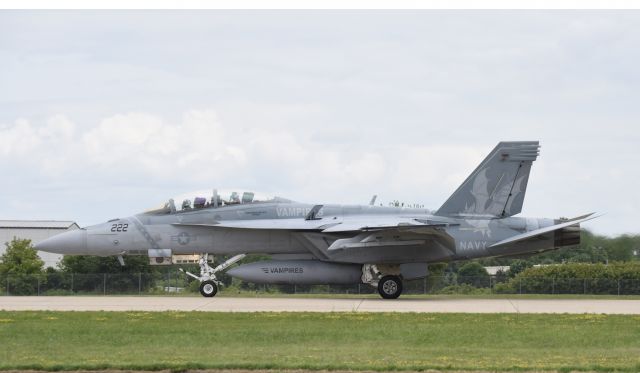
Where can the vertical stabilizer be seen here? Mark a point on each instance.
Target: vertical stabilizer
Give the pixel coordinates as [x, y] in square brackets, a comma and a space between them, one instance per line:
[497, 187]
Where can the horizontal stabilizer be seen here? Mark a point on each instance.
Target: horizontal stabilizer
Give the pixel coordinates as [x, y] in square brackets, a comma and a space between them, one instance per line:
[537, 232]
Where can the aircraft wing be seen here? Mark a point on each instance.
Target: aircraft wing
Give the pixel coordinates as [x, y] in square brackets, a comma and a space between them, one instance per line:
[389, 245]
[391, 237]
[383, 223]
[537, 232]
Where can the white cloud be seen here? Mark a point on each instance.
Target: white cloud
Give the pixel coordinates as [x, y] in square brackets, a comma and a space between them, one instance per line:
[200, 148]
[318, 106]
[130, 146]
[18, 139]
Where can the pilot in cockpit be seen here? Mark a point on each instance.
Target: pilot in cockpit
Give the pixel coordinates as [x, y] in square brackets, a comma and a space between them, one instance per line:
[199, 202]
[186, 204]
[235, 198]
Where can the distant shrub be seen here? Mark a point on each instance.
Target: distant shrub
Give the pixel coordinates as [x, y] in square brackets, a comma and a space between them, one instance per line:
[576, 278]
[474, 274]
[463, 289]
[517, 266]
[194, 287]
[59, 292]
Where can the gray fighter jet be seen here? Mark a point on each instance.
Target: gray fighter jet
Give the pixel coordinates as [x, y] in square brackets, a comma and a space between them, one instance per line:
[336, 244]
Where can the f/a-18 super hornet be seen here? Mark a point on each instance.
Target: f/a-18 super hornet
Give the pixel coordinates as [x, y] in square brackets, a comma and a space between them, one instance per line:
[336, 244]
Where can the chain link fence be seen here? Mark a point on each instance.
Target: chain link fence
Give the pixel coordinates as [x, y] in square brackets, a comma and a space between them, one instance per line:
[92, 284]
[176, 283]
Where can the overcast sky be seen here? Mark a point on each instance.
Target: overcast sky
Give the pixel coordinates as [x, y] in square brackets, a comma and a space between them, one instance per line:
[105, 114]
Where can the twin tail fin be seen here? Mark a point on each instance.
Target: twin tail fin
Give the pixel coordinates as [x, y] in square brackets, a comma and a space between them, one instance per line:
[497, 187]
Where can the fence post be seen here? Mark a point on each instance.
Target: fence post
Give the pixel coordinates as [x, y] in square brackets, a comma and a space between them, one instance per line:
[358, 288]
[72, 282]
[139, 283]
[618, 287]
[584, 286]
[553, 285]
[104, 284]
[295, 289]
[7, 285]
[520, 286]
[490, 287]
[38, 280]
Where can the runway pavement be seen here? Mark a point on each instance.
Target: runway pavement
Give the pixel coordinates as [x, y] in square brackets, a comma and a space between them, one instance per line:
[232, 304]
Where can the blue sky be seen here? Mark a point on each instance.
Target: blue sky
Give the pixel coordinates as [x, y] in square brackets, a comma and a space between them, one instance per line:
[106, 113]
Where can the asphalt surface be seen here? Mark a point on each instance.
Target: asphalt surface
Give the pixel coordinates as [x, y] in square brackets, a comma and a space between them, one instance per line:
[232, 304]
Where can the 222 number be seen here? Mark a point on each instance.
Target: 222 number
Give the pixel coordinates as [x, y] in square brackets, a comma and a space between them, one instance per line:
[119, 227]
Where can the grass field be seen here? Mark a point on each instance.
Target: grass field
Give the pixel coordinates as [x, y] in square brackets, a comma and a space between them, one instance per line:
[191, 340]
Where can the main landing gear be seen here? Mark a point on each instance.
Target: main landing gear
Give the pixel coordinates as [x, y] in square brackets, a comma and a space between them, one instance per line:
[208, 282]
[390, 287]
[386, 278]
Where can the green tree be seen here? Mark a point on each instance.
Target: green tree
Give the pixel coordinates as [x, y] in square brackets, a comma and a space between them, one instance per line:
[104, 264]
[593, 248]
[21, 268]
[436, 276]
[473, 273]
[517, 266]
[99, 274]
[621, 248]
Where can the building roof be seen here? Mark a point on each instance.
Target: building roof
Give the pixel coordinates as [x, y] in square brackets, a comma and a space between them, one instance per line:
[493, 270]
[37, 224]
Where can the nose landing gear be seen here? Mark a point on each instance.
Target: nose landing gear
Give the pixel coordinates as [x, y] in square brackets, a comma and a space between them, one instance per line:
[208, 288]
[209, 284]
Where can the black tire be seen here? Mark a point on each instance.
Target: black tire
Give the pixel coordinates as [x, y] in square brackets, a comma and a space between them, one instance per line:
[208, 288]
[390, 287]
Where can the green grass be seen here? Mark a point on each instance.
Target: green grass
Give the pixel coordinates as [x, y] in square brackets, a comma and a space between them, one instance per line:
[357, 341]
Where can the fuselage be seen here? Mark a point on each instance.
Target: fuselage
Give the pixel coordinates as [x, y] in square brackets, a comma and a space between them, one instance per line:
[198, 231]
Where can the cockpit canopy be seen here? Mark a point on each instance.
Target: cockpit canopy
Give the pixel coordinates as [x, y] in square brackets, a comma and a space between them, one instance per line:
[212, 199]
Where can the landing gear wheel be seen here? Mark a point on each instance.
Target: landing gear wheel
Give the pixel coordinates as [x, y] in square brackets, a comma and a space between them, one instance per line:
[208, 288]
[390, 287]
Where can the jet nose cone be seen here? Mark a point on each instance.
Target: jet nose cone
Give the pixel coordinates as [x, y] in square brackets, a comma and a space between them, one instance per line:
[72, 242]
